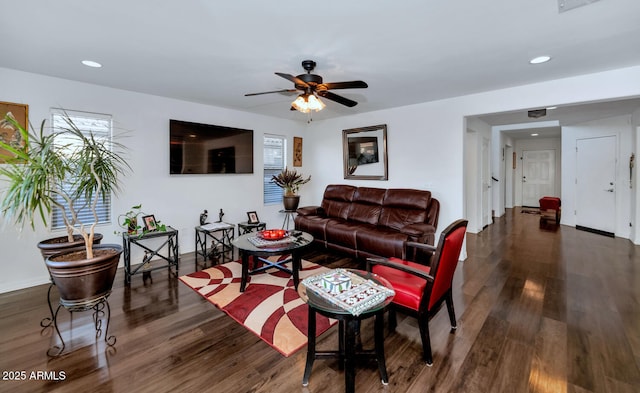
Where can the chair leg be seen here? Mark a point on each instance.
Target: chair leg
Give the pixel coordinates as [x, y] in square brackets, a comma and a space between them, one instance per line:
[452, 312]
[426, 340]
[393, 321]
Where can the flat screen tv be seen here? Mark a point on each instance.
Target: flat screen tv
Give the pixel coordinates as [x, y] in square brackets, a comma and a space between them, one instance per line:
[203, 148]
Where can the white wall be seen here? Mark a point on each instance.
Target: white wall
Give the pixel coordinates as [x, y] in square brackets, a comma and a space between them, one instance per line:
[176, 200]
[621, 128]
[425, 146]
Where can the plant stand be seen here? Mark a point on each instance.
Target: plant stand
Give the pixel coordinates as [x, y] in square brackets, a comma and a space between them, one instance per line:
[47, 321]
[98, 305]
[289, 217]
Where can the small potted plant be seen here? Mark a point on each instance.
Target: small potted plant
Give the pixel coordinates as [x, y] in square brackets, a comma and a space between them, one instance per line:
[129, 220]
[290, 181]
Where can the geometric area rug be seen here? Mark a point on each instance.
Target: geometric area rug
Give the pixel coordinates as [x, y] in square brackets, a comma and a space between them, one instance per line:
[269, 307]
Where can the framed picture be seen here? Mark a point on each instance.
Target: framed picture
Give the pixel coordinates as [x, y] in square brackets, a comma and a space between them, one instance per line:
[150, 223]
[253, 218]
[365, 153]
[8, 133]
[297, 151]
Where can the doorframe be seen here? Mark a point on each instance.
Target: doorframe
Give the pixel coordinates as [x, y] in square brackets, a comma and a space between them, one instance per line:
[486, 182]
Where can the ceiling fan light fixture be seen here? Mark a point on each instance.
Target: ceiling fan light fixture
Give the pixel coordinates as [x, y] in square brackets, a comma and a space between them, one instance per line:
[300, 104]
[307, 102]
[314, 103]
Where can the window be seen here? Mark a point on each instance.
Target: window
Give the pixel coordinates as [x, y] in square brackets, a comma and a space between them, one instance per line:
[100, 126]
[274, 159]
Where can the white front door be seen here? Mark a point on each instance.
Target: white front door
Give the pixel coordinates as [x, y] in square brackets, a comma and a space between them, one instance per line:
[538, 176]
[595, 183]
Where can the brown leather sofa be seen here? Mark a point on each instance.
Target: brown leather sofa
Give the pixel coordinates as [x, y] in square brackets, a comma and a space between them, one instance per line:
[366, 222]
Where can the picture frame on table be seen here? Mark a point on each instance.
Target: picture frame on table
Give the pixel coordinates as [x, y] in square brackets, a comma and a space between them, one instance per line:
[253, 218]
[150, 223]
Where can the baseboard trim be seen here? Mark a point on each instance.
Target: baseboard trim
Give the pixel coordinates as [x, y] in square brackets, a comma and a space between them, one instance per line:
[14, 286]
[596, 231]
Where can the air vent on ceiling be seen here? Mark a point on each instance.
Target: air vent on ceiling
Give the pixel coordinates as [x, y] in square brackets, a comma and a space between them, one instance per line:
[537, 113]
[566, 5]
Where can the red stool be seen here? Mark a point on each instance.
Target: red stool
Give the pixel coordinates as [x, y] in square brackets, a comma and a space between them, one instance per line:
[550, 208]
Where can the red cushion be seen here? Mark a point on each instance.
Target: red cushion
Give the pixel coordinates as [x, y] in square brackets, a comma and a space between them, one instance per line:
[409, 288]
[550, 203]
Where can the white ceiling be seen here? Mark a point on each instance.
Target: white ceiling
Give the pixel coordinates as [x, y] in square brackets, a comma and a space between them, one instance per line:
[410, 51]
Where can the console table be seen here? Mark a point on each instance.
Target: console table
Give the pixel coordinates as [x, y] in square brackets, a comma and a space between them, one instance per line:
[221, 235]
[142, 240]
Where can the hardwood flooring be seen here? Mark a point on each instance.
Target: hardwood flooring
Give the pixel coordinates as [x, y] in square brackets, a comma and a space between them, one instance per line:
[539, 308]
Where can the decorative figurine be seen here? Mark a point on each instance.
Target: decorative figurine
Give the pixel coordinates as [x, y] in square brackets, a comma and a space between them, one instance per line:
[220, 215]
[203, 217]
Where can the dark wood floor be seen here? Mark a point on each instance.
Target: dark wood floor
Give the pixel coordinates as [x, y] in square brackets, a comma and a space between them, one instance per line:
[540, 309]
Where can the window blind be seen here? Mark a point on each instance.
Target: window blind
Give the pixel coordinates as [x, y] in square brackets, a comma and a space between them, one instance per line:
[89, 123]
[274, 159]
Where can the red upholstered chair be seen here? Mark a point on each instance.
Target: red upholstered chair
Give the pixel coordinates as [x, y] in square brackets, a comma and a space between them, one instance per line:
[422, 290]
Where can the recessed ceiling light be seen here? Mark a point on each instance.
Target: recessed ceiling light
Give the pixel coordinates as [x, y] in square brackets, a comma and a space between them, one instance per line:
[540, 59]
[534, 134]
[551, 108]
[91, 63]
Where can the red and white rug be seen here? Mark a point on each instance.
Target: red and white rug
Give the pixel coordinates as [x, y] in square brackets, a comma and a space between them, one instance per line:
[269, 307]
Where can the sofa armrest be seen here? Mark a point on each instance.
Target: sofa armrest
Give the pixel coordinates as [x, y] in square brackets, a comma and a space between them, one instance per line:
[418, 231]
[310, 211]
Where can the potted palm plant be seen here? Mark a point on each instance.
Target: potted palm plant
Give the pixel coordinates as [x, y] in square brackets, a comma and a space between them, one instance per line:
[290, 181]
[61, 169]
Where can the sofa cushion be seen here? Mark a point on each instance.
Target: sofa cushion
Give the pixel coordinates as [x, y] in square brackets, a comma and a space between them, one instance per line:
[342, 233]
[402, 207]
[337, 200]
[375, 240]
[366, 205]
[315, 225]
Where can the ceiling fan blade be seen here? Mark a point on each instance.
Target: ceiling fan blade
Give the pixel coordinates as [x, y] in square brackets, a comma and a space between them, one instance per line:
[339, 99]
[296, 80]
[345, 85]
[274, 91]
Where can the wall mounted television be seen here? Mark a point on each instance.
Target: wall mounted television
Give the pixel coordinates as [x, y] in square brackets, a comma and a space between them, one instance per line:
[204, 148]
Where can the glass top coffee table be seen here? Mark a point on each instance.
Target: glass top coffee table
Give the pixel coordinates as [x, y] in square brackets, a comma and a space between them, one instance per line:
[247, 246]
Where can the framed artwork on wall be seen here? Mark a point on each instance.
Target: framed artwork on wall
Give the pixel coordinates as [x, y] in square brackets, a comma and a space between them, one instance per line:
[297, 151]
[8, 133]
[365, 153]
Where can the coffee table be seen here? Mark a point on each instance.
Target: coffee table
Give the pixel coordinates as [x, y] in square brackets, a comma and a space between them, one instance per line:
[293, 249]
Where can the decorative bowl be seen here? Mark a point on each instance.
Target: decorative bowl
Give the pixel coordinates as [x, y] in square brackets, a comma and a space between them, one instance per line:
[273, 234]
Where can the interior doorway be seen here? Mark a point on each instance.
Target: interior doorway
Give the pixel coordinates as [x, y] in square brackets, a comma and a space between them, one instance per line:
[538, 176]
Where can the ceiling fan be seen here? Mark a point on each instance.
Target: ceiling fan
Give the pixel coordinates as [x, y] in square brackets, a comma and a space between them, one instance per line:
[312, 86]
